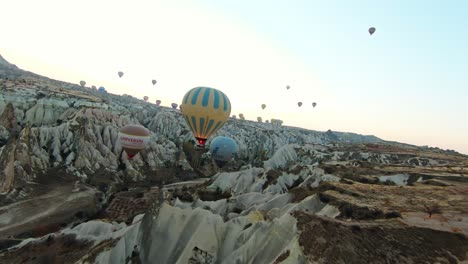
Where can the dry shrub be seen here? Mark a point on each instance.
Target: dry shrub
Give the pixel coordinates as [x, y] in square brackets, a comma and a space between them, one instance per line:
[432, 208]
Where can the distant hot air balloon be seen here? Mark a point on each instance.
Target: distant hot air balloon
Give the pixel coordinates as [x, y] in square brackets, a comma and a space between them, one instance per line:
[276, 122]
[174, 105]
[158, 102]
[241, 116]
[120, 74]
[314, 104]
[263, 106]
[94, 87]
[371, 30]
[259, 119]
[154, 82]
[223, 149]
[82, 83]
[205, 110]
[234, 116]
[287, 87]
[133, 139]
[145, 98]
[102, 89]
[267, 121]
[299, 104]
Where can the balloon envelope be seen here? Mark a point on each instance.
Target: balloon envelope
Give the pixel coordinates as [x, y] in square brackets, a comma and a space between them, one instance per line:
[158, 102]
[154, 82]
[299, 104]
[102, 89]
[314, 104]
[223, 149]
[259, 119]
[263, 106]
[82, 83]
[174, 105]
[287, 87]
[241, 116]
[133, 139]
[120, 74]
[371, 30]
[205, 110]
[145, 98]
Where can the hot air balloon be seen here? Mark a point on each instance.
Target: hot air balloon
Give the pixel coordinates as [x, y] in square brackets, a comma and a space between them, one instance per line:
[234, 116]
[174, 105]
[241, 116]
[287, 87]
[145, 98]
[314, 104]
[158, 102]
[94, 87]
[82, 83]
[133, 139]
[223, 149]
[205, 110]
[371, 30]
[263, 106]
[120, 74]
[154, 82]
[102, 89]
[299, 104]
[259, 119]
[276, 122]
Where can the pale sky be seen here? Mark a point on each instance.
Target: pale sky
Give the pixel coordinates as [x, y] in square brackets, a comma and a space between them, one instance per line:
[408, 82]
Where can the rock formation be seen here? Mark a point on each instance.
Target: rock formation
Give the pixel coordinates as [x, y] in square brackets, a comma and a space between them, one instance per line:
[69, 195]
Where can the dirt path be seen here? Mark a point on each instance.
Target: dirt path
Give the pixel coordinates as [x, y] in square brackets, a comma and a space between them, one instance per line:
[55, 208]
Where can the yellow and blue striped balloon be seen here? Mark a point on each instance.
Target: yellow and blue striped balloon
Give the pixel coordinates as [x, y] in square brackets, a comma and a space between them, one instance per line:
[205, 110]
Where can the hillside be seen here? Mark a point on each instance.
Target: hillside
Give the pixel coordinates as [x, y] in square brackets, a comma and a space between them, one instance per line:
[68, 195]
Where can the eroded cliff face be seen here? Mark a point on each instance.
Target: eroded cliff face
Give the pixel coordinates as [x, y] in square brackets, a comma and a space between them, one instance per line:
[68, 194]
[305, 212]
[74, 128]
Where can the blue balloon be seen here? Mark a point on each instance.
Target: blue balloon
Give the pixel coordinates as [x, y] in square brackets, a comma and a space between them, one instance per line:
[223, 149]
[102, 90]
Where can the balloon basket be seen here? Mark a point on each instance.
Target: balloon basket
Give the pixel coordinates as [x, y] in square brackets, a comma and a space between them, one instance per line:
[199, 147]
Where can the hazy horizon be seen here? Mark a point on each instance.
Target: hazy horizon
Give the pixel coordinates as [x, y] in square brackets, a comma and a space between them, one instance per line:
[405, 83]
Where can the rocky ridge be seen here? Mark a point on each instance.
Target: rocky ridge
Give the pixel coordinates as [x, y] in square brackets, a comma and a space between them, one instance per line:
[292, 196]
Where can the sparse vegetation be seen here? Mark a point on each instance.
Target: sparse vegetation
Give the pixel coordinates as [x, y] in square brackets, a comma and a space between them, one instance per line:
[432, 208]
